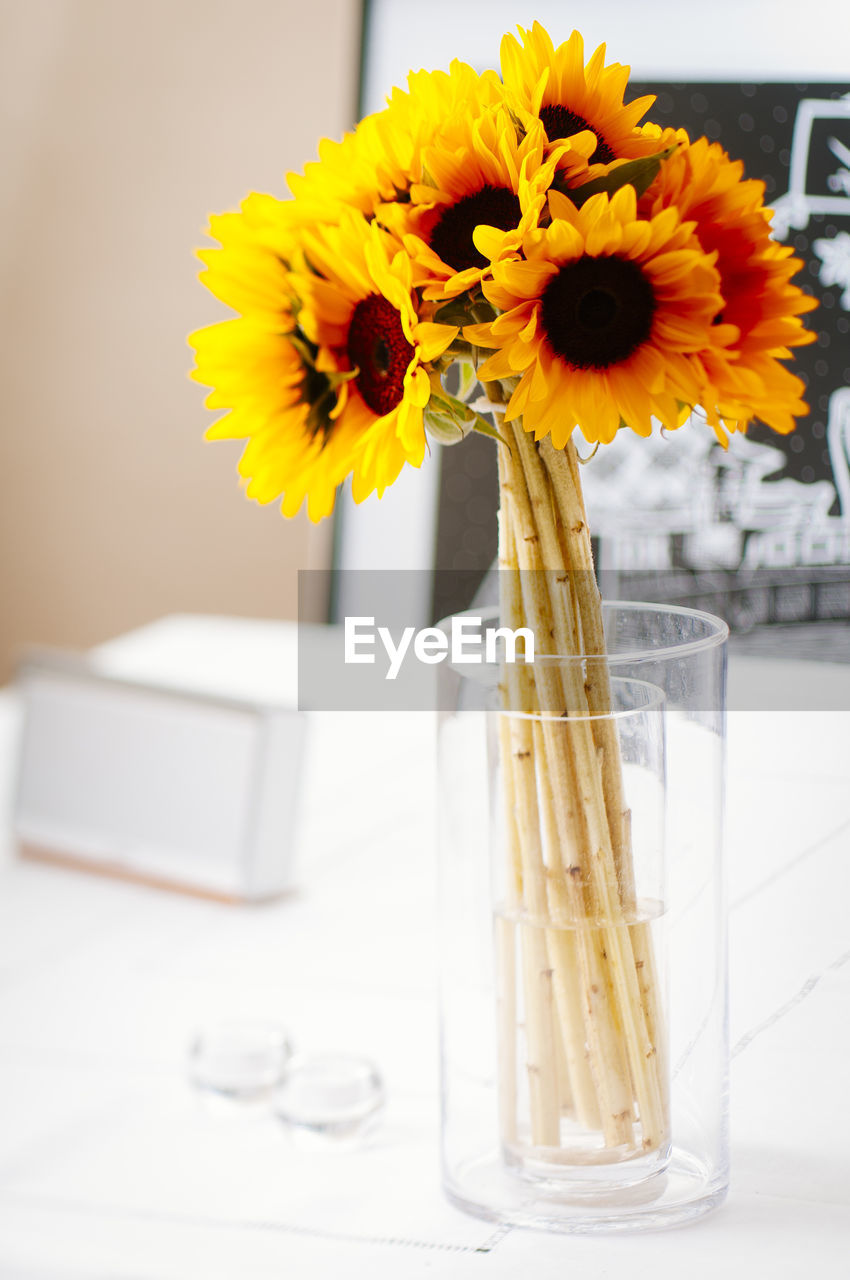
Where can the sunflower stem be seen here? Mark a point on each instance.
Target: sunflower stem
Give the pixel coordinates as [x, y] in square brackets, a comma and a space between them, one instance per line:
[570, 834]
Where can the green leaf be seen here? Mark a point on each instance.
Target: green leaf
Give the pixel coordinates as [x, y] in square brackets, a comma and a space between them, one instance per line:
[517, 124]
[337, 377]
[443, 429]
[449, 420]
[484, 428]
[467, 308]
[468, 379]
[639, 174]
[483, 312]
[453, 312]
[307, 350]
[446, 404]
[319, 416]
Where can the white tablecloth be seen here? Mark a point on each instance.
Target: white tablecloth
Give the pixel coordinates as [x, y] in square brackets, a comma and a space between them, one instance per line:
[111, 1167]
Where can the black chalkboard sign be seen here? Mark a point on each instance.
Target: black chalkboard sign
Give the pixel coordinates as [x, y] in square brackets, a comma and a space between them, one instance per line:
[796, 139]
[772, 510]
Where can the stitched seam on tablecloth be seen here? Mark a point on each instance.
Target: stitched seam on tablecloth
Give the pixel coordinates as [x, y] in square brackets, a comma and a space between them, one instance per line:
[798, 998]
[228, 1224]
[496, 1238]
[788, 866]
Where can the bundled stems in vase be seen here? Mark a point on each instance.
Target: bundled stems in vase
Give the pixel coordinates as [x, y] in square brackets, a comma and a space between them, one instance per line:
[593, 1026]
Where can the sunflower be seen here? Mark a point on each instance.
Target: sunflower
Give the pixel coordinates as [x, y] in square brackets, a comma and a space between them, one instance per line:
[478, 172]
[248, 272]
[381, 158]
[347, 175]
[744, 376]
[360, 310]
[600, 320]
[282, 405]
[262, 369]
[414, 117]
[554, 86]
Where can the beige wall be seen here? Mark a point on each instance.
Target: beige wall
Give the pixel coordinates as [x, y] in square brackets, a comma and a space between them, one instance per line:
[123, 126]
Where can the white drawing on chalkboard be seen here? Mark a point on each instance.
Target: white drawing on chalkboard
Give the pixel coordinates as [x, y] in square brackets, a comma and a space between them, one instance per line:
[838, 439]
[795, 208]
[818, 538]
[840, 180]
[680, 500]
[835, 264]
[689, 502]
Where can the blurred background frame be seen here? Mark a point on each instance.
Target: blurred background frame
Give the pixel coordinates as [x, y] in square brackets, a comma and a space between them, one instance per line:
[122, 128]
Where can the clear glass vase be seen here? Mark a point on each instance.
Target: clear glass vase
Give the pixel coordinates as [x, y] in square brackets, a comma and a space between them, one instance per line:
[583, 944]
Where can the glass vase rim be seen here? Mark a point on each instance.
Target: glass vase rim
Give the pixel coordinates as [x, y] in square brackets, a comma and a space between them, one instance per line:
[718, 635]
[655, 703]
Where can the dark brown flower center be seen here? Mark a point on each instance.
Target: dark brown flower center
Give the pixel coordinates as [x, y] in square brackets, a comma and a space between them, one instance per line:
[560, 122]
[378, 348]
[597, 311]
[451, 237]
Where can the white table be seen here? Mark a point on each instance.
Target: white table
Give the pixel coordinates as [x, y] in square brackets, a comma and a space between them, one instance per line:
[111, 1167]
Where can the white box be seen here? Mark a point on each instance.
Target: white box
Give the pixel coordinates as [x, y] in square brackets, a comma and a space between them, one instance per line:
[172, 756]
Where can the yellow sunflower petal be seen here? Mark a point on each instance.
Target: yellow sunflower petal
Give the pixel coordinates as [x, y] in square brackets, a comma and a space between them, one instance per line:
[433, 339]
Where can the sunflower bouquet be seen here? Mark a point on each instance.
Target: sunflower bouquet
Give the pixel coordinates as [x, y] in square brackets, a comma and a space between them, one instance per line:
[527, 234]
